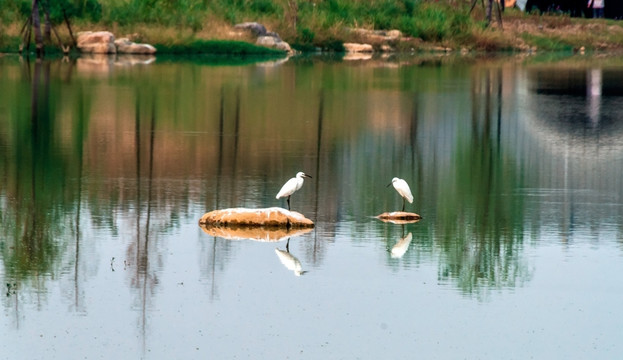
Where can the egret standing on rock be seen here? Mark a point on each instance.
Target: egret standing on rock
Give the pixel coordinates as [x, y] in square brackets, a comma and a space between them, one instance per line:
[403, 189]
[293, 185]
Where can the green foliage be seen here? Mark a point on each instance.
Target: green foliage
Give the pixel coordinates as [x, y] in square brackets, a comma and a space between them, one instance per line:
[304, 40]
[90, 10]
[333, 45]
[12, 9]
[306, 36]
[216, 47]
[338, 10]
[409, 6]
[183, 13]
[547, 43]
[435, 23]
[8, 43]
[317, 21]
[305, 48]
[263, 7]
[384, 13]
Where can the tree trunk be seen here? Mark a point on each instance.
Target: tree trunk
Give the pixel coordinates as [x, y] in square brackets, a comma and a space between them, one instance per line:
[36, 24]
[293, 12]
[47, 28]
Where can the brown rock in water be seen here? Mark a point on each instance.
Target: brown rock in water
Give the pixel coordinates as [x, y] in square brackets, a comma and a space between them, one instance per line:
[255, 233]
[399, 217]
[269, 217]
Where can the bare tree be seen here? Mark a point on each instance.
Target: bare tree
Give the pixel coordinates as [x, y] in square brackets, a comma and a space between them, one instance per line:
[36, 24]
[488, 9]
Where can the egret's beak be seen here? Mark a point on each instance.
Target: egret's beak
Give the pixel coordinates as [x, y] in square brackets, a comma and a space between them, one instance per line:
[389, 184]
[309, 176]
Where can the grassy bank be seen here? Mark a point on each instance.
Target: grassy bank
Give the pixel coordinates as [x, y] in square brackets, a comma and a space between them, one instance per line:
[186, 26]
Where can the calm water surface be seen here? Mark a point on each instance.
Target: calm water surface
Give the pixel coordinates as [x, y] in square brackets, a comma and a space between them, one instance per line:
[515, 165]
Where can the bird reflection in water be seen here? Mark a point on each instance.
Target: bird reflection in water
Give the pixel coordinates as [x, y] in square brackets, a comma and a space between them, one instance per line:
[290, 261]
[401, 246]
[594, 96]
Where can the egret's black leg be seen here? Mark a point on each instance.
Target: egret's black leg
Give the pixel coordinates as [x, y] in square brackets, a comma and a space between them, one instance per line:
[288, 245]
[288, 203]
[403, 204]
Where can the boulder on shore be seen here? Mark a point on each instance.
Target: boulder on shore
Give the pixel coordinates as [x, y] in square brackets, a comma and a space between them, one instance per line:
[399, 217]
[268, 217]
[264, 37]
[255, 28]
[98, 42]
[103, 42]
[274, 43]
[125, 46]
[378, 36]
[358, 48]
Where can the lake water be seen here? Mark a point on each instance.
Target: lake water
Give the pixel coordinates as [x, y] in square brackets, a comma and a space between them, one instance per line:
[515, 164]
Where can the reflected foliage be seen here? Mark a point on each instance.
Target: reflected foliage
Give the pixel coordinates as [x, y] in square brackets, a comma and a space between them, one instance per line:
[38, 177]
[480, 221]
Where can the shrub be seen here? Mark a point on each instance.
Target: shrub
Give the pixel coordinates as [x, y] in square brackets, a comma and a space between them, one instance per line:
[216, 47]
[306, 36]
[263, 7]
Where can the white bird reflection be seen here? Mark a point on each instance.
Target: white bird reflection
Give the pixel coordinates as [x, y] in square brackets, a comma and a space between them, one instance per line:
[401, 246]
[290, 261]
[594, 95]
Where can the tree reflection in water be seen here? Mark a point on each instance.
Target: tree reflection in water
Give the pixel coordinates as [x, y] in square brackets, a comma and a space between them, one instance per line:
[482, 239]
[40, 207]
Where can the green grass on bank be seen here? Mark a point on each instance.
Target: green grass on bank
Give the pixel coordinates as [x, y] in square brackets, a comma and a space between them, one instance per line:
[217, 47]
[193, 26]
[551, 43]
[308, 24]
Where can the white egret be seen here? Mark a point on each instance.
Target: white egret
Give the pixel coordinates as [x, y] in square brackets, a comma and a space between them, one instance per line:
[291, 186]
[403, 189]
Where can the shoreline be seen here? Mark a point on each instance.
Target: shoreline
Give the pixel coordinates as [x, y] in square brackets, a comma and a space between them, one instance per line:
[519, 32]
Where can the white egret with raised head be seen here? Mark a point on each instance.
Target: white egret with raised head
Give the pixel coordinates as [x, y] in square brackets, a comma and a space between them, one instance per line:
[291, 186]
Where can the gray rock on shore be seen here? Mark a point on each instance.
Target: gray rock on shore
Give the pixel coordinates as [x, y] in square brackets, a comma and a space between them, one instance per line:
[125, 46]
[264, 37]
[255, 28]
